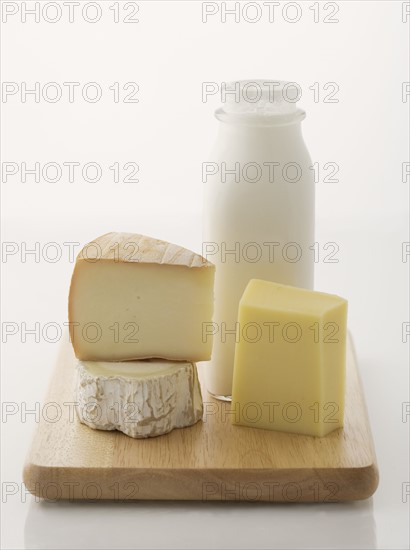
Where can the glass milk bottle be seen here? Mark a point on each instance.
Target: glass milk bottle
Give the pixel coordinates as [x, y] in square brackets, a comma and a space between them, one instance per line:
[258, 208]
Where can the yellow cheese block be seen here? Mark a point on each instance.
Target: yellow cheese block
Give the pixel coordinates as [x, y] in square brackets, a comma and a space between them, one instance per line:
[289, 372]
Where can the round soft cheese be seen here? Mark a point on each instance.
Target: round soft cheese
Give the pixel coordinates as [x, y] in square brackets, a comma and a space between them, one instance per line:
[139, 398]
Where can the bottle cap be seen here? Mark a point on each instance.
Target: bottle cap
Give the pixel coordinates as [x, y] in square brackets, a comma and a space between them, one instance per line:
[247, 99]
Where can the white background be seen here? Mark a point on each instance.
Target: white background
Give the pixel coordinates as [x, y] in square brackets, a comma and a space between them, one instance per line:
[170, 52]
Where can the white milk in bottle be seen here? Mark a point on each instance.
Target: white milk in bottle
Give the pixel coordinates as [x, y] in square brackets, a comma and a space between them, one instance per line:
[258, 208]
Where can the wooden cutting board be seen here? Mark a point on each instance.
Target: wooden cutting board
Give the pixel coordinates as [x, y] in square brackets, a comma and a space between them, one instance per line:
[212, 460]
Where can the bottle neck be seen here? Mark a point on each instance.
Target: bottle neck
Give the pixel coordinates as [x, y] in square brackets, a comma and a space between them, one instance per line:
[234, 131]
[240, 143]
[284, 118]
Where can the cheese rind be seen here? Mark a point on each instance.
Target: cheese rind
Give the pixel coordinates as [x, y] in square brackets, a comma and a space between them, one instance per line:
[134, 297]
[289, 372]
[139, 398]
[136, 248]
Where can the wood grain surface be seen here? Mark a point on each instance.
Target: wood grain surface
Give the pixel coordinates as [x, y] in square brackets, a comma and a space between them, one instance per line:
[212, 460]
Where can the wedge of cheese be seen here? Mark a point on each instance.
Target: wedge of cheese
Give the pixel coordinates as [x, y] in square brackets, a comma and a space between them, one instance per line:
[139, 398]
[134, 297]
